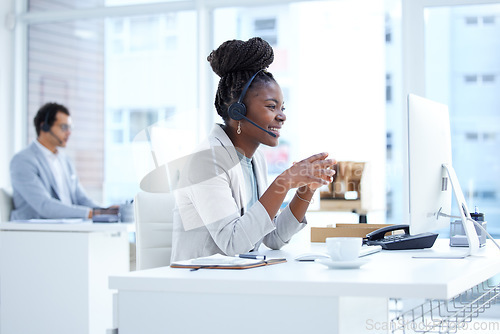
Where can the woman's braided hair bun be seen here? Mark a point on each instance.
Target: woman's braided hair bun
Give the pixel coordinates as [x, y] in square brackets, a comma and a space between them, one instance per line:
[239, 56]
[235, 62]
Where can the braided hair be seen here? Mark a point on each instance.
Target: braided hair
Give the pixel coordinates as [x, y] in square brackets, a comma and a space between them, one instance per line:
[235, 62]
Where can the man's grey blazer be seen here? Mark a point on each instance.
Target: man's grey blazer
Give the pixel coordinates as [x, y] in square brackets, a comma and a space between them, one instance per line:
[35, 193]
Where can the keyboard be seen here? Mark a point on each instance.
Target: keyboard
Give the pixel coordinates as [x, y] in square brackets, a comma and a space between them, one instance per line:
[367, 250]
[311, 256]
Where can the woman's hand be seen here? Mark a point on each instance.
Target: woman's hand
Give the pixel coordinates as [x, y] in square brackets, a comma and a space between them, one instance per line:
[308, 175]
[312, 172]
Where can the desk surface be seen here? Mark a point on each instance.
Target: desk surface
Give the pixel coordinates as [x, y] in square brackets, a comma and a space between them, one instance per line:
[394, 274]
[84, 226]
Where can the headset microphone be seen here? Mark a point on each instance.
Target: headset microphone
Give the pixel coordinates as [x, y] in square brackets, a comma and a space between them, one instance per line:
[238, 110]
[56, 137]
[239, 116]
[46, 128]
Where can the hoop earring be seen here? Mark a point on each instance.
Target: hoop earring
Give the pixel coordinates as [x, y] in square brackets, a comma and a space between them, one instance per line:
[239, 128]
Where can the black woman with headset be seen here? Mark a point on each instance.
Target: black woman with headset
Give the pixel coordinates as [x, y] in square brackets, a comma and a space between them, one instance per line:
[223, 203]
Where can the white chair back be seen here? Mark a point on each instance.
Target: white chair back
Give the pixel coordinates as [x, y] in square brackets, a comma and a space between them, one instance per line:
[154, 223]
[6, 204]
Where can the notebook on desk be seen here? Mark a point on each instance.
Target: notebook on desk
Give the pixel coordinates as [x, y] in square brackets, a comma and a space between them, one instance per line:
[219, 261]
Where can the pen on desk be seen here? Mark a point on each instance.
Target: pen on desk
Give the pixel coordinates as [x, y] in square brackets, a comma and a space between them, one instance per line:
[251, 256]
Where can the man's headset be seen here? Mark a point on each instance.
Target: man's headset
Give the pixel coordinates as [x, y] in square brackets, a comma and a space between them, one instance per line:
[238, 110]
[46, 127]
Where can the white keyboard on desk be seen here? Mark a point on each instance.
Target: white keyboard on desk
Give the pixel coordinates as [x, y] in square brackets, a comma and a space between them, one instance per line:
[365, 250]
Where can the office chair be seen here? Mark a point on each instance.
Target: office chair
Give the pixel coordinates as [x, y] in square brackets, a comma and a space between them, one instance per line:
[6, 204]
[154, 222]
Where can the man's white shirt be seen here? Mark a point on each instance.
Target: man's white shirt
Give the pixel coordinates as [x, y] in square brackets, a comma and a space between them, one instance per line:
[59, 172]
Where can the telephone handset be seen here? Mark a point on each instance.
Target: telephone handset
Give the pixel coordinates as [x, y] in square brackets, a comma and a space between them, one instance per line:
[380, 233]
[400, 241]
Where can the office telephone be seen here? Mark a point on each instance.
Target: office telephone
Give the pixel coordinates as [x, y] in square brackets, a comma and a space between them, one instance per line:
[400, 241]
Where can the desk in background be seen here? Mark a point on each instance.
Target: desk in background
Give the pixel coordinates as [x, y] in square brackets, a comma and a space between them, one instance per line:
[294, 297]
[54, 277]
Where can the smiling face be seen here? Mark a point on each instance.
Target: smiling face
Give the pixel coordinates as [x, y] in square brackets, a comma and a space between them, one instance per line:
[265, 106]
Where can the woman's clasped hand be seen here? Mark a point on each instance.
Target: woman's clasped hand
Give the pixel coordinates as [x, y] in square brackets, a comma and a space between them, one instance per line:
[312, 172]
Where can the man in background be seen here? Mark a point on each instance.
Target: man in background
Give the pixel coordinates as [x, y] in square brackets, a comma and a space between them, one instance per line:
[43, 179]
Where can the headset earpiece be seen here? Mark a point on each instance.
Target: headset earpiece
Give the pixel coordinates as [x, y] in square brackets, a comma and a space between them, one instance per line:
[45, 126]
[238, 110]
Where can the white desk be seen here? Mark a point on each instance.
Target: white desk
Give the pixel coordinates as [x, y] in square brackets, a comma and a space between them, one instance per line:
[54, 277]
[294, 297]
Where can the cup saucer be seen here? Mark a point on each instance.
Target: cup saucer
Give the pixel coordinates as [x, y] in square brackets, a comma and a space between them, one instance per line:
[354, 264]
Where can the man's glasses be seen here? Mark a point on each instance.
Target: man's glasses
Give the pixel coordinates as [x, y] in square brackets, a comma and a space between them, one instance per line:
[65, 127]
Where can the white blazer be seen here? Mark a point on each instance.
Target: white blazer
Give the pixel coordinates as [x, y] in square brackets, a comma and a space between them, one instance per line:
[211, 216]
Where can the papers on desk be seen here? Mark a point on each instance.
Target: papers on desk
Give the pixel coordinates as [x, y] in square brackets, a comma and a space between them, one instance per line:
[51, 221]
[219, 261]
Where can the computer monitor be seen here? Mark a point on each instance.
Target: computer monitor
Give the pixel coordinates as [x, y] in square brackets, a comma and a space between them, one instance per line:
[431, 177]
[429, 147]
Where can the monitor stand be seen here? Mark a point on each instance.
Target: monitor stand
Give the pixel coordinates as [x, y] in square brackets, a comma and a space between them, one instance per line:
[470, 230]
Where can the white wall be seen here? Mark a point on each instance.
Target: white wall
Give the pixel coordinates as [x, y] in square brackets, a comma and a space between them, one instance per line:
[6, 91]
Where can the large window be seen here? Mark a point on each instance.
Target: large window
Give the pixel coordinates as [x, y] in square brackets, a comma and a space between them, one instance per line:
[330, 63]
[66, 64]
[450, 54]
[117, 76]
[462, 70]
[140, 73]
[151, 74]
[135, 77]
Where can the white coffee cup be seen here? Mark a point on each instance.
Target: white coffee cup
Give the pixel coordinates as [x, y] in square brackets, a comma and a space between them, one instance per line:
[343, 248]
